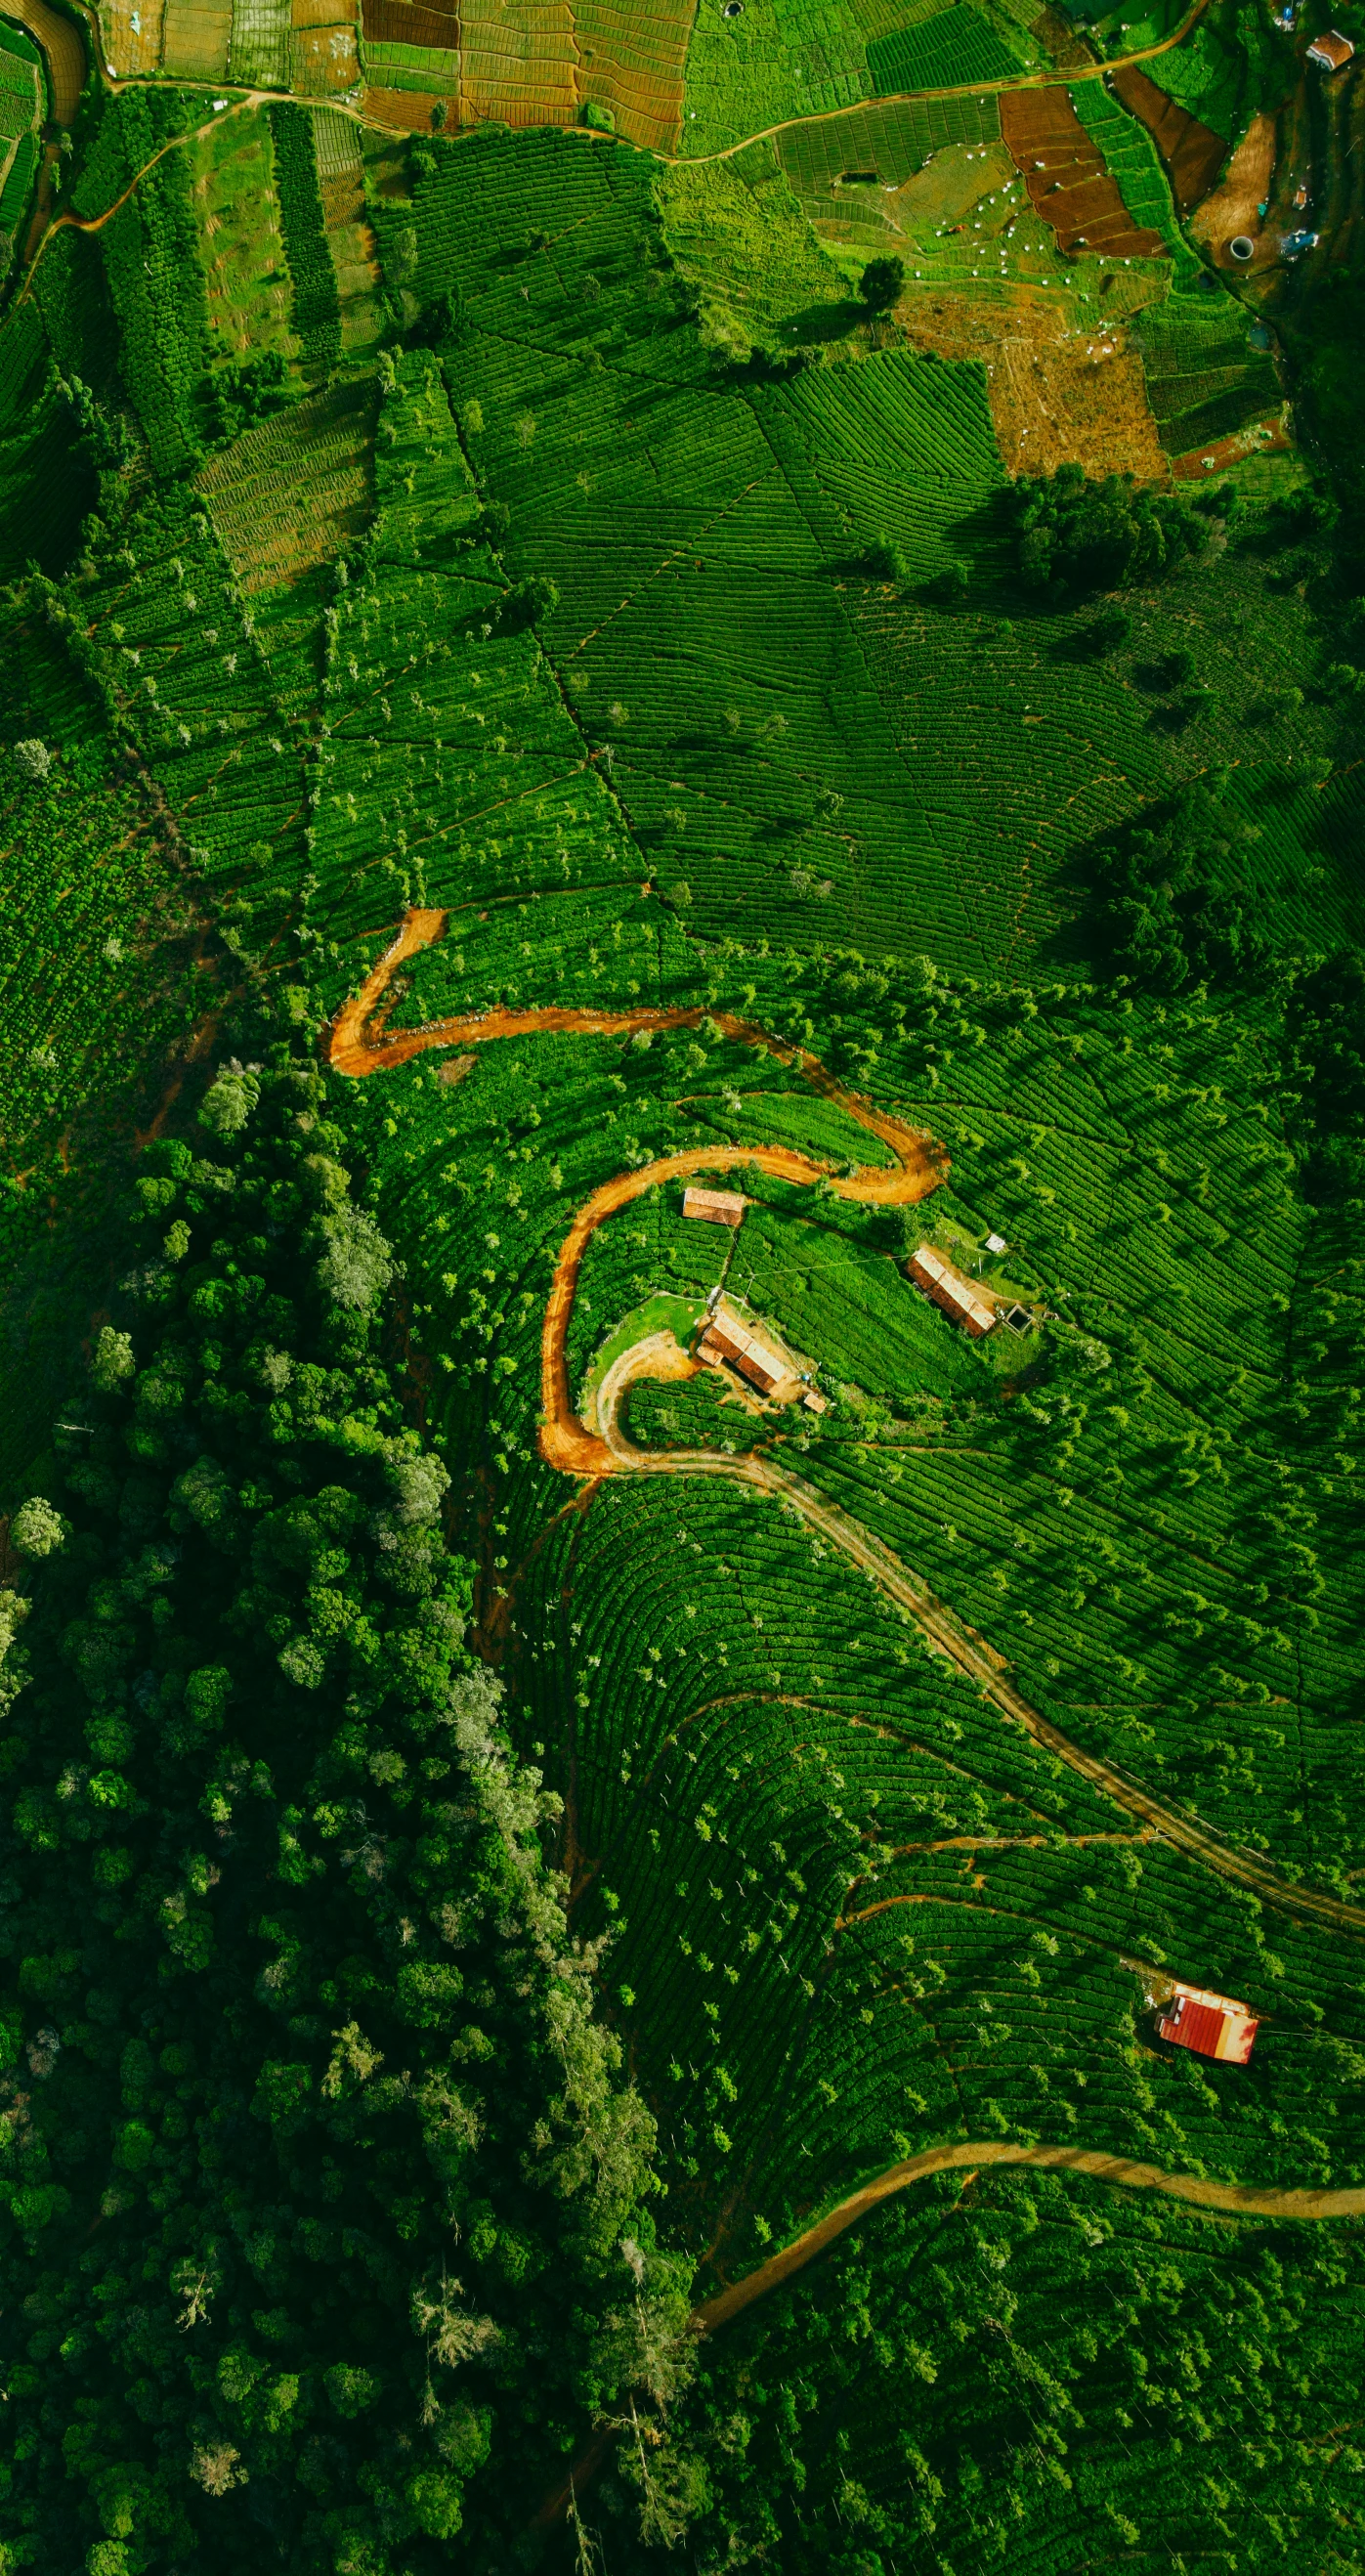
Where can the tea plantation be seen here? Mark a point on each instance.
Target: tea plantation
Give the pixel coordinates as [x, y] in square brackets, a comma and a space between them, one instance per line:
[596, 608]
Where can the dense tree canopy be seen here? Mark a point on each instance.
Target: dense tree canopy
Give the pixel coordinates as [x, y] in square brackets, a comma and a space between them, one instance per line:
[1075, 535]
[317, 2171]
[1173, 905]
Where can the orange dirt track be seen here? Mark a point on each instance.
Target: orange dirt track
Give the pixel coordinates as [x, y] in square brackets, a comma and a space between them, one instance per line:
[357, 1050]
[566, 1442]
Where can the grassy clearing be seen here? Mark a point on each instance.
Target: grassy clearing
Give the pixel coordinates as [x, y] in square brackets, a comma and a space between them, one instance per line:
[231, 170]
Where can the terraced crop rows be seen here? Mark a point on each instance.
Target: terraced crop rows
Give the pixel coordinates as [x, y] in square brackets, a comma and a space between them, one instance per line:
[297, 490]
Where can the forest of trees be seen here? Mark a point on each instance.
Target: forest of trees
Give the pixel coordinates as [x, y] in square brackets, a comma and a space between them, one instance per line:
[327, 2212]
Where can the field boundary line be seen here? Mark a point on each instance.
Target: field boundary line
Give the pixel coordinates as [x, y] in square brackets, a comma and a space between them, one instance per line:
[1054, 78]
[1009, 82]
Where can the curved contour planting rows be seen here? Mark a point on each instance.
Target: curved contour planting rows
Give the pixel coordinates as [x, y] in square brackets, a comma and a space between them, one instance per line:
[358, 1048]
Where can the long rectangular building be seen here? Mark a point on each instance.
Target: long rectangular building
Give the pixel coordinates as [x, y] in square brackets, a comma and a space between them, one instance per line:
[728, 1343]
[714, 1207]
[958, 1297]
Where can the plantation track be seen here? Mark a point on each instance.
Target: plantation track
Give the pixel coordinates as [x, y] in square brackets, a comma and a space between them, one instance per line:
[1242, 2199]
[1054, 77]
[358, 1048]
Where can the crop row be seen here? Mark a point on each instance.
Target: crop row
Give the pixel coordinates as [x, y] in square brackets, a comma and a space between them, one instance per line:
[732, 1811]
[441, 709]
[151, 259]
[174, 649]
[894, 141]
[942, 52]
[1074, 2338]
[316, 307]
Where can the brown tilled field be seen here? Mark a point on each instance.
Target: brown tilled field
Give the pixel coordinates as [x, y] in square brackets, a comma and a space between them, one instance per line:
[408, 22]
[1066, 177]
[1192, 154]
[1058, 395]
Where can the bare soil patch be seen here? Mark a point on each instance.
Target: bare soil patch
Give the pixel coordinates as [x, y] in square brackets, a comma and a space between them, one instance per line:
[1067, 179]
[1235, 207]
[1056, 397]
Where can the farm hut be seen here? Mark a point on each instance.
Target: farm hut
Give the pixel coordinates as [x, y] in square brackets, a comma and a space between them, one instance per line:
[1212, 2025]
[813, 1401]
[727, 1343]
[995, 1243]
[1330, 52]
[958, 1297]
[715, 1207]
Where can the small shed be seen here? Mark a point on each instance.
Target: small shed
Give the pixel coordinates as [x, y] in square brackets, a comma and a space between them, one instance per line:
[1212, 2025]
[814, 1401]
[1330, 52]
[995, 1243]
[715, 1207]
[957, 1296]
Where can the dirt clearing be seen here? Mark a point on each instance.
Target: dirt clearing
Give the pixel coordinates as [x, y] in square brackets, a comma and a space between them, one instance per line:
[1059, 394]
[1235, 207]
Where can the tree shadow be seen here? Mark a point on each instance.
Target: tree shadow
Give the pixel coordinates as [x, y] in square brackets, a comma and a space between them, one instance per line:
[824, 322]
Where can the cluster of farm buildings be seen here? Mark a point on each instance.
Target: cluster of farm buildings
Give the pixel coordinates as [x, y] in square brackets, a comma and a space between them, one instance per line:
[729, 1341]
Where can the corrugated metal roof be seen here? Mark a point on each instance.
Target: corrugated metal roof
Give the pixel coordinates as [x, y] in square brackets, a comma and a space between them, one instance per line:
[943, 1280]
[718, 1207]
[1212, 2025]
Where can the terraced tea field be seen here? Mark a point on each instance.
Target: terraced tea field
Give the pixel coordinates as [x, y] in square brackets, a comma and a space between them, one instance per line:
[632, 704]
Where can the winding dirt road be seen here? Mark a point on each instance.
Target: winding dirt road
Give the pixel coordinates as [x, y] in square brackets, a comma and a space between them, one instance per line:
[1243, 2199]
[360, 1044]
[1239, 2199]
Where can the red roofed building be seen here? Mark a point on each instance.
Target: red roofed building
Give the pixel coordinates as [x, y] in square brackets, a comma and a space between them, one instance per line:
[957, 1296]
[1212, 2025]
[1331, 52]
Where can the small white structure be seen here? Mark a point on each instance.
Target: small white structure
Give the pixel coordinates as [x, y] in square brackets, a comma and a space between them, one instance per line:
[995, 1243]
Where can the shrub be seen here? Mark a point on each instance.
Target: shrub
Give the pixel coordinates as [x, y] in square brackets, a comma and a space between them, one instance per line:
[229, 1100]
[112, 1359]
[356, 1264]
[36, 1530]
